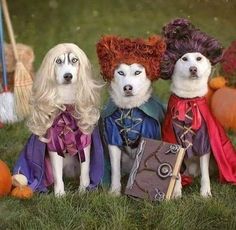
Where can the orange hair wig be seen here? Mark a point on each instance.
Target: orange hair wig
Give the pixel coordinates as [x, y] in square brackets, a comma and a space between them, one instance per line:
[113, 51]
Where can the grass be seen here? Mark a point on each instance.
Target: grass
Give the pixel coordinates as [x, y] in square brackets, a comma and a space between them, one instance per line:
[42, 24]
[97, 210]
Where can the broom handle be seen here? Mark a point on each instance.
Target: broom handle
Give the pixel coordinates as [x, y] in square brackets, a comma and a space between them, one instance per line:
[9, 28]
[4, 71]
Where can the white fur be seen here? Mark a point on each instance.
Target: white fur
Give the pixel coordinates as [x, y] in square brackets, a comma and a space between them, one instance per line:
[141, 86]
[69, 164]
[66, 94]
[183, 85]
[135, 76]
[187, 86]
[115, 158]
[177, 193]
[205, 179]
[67, 66]
[53, 86]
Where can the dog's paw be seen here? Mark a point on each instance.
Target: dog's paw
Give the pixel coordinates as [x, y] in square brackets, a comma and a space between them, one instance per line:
[59, 190]
[205, 191]
[115, 191]
[82, 189]
[84, 182]
[177, 194]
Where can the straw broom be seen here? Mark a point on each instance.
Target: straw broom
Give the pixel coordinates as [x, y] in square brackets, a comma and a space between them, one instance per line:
[22, 79]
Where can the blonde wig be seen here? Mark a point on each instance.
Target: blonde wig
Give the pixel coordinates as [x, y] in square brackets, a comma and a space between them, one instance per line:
[44, 107]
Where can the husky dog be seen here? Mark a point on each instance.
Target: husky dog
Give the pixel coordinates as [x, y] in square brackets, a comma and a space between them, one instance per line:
[65, 111]
[188, 61]
[129, 66]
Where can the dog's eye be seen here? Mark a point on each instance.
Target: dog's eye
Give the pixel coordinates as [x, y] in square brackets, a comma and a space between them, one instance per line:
[137, 72]
[58, 61]
[199, 58]
[185, 59]
[74, 60]
[121, 73]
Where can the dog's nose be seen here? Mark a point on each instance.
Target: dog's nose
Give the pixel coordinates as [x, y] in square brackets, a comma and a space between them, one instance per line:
[193, 69]
[68, 76]
[128, 88]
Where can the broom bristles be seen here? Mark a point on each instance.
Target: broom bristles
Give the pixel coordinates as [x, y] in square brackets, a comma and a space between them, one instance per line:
[22, 90]
[7, 108]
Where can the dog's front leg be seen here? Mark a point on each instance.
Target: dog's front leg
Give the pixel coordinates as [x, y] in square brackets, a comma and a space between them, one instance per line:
[205, 179]
[115, 158]
[85, 167]
[57, 170]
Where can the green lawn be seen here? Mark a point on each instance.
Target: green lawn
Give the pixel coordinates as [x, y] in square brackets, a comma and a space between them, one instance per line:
[42, 24]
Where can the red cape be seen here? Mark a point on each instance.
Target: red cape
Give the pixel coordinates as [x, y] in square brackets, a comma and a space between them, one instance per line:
[221, 145]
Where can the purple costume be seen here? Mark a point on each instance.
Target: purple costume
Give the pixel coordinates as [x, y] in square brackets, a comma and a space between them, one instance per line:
[65, 135]
[34, 162]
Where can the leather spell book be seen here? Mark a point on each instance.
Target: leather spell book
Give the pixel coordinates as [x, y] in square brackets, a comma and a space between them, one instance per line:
[155, 170]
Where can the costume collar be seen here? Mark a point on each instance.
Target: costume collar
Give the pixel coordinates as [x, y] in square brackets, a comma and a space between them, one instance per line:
[153, 108]
[181, 106]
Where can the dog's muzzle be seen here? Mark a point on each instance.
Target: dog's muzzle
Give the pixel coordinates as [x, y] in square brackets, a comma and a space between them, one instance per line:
[193, 72]
[128, 90]
[67, 78]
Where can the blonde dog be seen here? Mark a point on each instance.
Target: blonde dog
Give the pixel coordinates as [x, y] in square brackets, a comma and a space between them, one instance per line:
[64, 112]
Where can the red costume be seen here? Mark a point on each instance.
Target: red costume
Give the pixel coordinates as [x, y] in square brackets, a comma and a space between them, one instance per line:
[221, 147]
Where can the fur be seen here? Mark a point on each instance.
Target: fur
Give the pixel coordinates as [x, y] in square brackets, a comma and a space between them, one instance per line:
[188, 60]
[130, 66]
[65, 77]
[183, 83]
[182, 37]
[44, 104]
[141, 91]
[141, 85]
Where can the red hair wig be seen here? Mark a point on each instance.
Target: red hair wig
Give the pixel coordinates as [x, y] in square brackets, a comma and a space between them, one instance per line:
[113, 51]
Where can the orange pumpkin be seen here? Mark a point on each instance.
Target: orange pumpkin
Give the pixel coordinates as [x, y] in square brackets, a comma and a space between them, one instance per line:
[223, 106]
[5, 179]
[24, 192]
[217, 82]
[209, 95]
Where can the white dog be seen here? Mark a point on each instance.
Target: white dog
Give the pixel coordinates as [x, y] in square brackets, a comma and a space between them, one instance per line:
[188, 61]
[132, 111]
[130, 89]
[63, 79]
[189, 80]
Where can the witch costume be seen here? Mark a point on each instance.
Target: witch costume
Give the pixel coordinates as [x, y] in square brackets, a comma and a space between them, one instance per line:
[190, 123]
[65, 137]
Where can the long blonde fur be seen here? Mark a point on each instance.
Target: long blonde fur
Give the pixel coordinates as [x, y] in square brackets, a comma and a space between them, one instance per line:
[44, 107]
